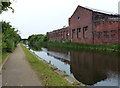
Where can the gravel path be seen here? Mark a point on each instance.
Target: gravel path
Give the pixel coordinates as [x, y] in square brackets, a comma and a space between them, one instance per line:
[17, 71]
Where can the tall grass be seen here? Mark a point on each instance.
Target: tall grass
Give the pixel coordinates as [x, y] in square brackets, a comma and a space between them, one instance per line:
[71, 45]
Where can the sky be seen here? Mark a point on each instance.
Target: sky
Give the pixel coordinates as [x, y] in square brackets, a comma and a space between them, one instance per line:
[41, 16]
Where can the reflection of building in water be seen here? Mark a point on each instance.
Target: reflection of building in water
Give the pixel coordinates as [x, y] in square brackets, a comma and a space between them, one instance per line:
[60, 54]
[91, 68]
[88, 68]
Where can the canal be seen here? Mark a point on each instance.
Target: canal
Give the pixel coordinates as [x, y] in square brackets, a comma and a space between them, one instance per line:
[90, 68]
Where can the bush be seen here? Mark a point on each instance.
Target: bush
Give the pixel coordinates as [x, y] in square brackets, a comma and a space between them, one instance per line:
[10, 46]
[10, 37]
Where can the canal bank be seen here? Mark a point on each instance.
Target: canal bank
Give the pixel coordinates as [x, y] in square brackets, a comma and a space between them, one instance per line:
[50, 75]
[77, 46]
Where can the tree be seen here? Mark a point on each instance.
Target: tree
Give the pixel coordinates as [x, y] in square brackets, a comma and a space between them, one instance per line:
[46, 37]
[10, 37]
[35, 39]
[5, 5]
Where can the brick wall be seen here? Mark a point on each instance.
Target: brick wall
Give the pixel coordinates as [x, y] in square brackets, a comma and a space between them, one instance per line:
[80, 25]
[106, 32]
[60, 35]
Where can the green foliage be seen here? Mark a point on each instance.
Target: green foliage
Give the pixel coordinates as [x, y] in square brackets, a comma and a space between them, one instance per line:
[10, 46]
[5, 43]
[35, 40]
[5, 5]
[10, 37]
[24, 41]
[4, 55]
[46, 37]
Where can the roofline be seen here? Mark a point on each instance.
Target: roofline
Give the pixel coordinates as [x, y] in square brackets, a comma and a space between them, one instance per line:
[60, 29]
[93, 11]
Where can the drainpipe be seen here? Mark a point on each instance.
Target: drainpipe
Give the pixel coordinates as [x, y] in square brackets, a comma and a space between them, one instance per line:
[93, 27]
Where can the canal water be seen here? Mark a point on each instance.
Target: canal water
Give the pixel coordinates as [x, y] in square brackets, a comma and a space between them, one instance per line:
[89, 68]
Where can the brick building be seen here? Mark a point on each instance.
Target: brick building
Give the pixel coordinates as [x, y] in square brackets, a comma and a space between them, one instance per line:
[90, 26]
[62, 34]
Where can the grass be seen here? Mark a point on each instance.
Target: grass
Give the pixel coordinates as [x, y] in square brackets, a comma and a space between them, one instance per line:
[97, 48]
[4, 55]
[44, 72]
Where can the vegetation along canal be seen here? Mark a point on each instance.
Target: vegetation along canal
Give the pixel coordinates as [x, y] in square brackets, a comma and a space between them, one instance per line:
[89, 68]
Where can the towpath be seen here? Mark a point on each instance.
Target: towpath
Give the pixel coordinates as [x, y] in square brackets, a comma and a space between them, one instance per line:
[17, 71]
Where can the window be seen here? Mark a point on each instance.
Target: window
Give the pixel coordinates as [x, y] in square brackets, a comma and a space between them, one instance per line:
[105, 32]
[106, 36]
[73, 30]
[61, 33]
[99, 34]
[66, 34]
[113, 30]
[78, 18]
[113, 36]
[78, 32]
[78, 29]
[84, 30]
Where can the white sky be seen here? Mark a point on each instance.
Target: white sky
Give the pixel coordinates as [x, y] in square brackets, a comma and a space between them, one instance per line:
[41, 16]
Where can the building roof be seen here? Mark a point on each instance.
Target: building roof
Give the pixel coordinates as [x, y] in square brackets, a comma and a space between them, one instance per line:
[101, 11]
[97, 11]
[65, 28]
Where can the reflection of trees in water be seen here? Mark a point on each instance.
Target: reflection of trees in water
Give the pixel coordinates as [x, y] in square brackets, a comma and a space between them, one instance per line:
[90, 68]
[35, 48]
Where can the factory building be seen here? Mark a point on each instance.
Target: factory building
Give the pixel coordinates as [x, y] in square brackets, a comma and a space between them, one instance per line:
[90, 26]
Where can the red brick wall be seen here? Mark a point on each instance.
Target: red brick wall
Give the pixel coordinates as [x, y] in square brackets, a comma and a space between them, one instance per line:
[60, 35]
[85, 20]
[106, 32]
[119, 31]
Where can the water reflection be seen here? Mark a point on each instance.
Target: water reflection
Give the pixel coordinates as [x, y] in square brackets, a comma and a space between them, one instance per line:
[87, 67]
[62, 55]
[91, 68]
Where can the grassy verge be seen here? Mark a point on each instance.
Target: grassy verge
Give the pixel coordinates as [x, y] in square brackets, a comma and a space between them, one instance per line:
[44, 72]
[4, 55]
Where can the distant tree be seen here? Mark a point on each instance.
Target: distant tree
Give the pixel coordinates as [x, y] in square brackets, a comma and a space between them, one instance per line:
[35, 39]
[46, 37]
[24, 41]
